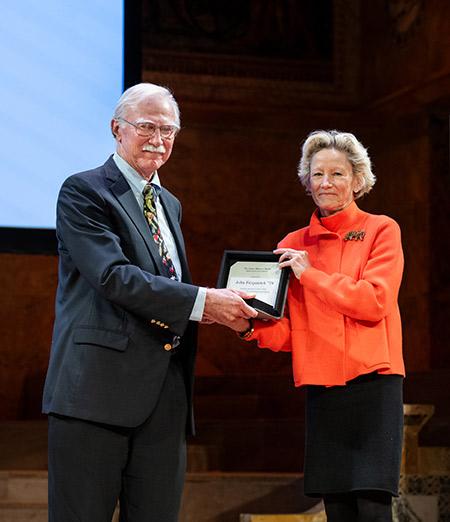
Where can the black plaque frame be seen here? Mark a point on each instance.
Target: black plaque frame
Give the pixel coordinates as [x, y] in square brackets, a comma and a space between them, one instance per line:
[265, 311]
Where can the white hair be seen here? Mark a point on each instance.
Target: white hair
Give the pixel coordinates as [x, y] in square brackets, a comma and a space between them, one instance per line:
[344, 142]
[141, 91]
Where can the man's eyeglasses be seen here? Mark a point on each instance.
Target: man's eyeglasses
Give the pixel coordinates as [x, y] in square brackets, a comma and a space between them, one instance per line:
[147, 129]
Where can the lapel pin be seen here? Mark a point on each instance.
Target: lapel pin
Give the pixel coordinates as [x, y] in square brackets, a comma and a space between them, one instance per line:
[354, 235]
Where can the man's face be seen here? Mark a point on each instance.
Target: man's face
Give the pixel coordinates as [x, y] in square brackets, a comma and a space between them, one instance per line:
[145, 154]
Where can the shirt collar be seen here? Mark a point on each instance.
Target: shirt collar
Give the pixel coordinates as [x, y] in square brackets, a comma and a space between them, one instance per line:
[135, 180]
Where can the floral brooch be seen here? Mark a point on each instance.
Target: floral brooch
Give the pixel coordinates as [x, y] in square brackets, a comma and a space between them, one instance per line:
[354, 235]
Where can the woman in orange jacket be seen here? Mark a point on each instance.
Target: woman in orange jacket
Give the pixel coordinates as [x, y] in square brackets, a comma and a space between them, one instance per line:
[343, 328]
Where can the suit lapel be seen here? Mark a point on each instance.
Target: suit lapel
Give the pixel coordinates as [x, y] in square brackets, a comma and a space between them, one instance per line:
[122, 191]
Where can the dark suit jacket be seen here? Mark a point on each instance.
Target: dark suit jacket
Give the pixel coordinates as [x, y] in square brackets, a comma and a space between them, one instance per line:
[115, 306]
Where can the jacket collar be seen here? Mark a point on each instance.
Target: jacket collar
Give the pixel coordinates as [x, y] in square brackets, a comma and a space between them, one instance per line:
[349, 218]
[121, 189]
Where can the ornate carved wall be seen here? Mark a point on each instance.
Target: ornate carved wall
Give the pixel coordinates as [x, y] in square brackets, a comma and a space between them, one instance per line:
[249, 52]
[406, 86]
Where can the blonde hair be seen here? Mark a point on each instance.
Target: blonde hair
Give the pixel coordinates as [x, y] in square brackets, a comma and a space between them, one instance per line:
[344, 142]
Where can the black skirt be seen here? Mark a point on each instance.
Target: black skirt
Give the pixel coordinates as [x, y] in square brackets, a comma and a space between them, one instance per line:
[354, 435]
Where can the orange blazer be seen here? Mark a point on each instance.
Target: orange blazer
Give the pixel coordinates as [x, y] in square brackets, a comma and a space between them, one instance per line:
[342, 318]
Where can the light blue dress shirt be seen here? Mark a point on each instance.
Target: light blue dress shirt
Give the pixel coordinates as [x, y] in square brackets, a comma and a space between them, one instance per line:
[137, 184]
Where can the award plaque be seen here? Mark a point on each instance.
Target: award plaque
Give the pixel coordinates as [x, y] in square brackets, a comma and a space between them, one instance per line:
[256, 273]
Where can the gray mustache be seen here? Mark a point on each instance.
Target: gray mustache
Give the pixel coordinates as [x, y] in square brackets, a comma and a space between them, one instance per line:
[150, 148]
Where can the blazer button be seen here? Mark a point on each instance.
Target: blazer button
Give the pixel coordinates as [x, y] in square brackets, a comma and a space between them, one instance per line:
[167, 347]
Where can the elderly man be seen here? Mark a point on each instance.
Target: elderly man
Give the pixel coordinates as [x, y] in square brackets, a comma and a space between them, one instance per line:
[119, 385]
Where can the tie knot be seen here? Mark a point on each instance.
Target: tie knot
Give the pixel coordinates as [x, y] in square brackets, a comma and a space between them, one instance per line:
[151, 189]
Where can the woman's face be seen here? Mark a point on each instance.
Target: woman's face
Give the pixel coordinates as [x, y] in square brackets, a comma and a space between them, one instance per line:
[332, 181]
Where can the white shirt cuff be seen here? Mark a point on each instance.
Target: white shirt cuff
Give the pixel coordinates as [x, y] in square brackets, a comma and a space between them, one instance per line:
[199, 305]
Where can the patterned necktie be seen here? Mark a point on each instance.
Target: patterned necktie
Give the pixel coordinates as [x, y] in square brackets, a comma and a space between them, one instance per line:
[152, 219]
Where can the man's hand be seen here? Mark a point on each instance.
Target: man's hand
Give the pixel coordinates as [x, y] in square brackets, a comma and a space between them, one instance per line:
[228, 307]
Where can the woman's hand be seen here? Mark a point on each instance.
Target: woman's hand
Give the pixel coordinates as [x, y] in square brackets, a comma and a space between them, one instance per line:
[297, 260]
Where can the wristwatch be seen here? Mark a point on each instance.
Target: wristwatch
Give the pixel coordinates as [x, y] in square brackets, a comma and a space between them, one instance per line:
[247, 333]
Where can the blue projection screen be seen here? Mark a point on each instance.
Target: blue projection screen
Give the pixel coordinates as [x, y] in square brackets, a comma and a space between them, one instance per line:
[61, 75]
